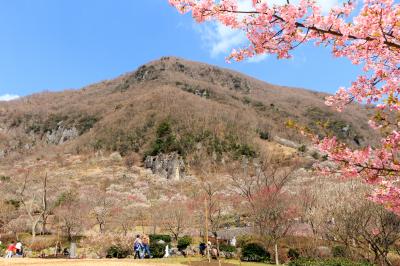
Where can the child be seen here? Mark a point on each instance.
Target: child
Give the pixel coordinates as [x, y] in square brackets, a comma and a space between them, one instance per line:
[19, 251]
[10, 250]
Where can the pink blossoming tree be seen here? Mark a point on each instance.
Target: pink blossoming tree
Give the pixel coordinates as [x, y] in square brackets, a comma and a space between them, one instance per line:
[368, 35]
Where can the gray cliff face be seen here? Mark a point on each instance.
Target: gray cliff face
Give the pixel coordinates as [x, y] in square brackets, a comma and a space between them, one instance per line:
[18, 138]
[61, 135]
[170, 166]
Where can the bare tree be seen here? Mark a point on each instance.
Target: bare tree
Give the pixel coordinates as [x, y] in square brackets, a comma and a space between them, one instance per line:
[8, 212]
[70, 213]
[101, 211]
[261, 184]
[364, 226]
[101, 203]
[48, 203]
[215, 192]
[175, 216]
[16, 226]
[29, 199]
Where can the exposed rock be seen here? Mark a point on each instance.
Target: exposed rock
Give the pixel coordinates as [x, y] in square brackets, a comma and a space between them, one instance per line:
[175, 252]
[286, 142]
[170, 166]
[314, 152]
[68, 134]
[61, 135]
[329, 165]
[115, 156]
[188, 252]
[146, 72]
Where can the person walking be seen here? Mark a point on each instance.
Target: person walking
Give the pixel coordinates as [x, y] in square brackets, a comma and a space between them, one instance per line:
[138, 248]
[10, 250]
[202, 249]
[146, 246]
[18, 249]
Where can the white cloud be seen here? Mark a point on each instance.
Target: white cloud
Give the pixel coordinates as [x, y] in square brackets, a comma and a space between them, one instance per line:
[8, 97]
[257, 58]
[220, 40]
[326, 5]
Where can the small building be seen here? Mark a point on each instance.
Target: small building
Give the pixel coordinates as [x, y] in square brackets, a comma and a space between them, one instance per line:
[230, 235]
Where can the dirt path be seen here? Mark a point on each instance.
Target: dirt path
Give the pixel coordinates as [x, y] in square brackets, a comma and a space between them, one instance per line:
[62, 262]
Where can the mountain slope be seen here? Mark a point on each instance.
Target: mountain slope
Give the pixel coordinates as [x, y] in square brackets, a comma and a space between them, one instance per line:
[171, 105]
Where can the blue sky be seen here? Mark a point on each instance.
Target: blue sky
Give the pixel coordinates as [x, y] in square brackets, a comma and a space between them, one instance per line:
[62, 44]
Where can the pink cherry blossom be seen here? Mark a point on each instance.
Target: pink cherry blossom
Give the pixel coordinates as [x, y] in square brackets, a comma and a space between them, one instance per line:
[369, 38]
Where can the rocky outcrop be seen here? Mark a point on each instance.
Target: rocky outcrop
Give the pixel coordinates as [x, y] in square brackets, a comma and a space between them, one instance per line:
[170, 166]
[286, 142]
[61, 135]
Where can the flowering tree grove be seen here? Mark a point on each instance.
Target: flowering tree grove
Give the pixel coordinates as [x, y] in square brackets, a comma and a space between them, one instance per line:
[368, 35]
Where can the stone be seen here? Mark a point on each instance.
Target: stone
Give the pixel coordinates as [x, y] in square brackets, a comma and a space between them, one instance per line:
[189, 252]
[115, 156]
[286, 142]
[170, 166]
[73, 251]
[61, 135]
[68, 134]
[174, 251]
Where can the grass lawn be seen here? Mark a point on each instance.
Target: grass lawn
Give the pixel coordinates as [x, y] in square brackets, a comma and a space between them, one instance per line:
[178, 261]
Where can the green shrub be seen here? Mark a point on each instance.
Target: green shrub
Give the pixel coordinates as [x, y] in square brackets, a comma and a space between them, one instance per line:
[293, 254]
[259, 105]
[5, 178]
[302, 148]
[2, 249]
[183, 143]
[156, 238]
[264, 135]
[86, 123]
[227, 248]
[246, 100]
[327, 262]
[165, 142]
[255, 252]
[13, 202]
[157, 249]
[245, 150]
[339, 251]
[315, 155]
[116, 251]
[184, 242]
[241, 241]
[52, 122]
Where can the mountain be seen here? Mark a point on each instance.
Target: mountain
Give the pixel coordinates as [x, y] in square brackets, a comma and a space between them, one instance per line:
[172, 106]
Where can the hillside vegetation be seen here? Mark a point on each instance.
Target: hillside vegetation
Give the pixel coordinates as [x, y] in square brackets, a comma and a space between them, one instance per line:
[172, 105]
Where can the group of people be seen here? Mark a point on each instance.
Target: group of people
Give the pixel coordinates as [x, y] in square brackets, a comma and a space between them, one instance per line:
[213, 251]
[141, 247]
[14, 249]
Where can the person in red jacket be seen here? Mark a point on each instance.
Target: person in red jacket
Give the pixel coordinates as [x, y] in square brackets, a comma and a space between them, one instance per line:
[10, 250]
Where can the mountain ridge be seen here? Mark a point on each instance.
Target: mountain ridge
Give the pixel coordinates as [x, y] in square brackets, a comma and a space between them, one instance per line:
[210, 112]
